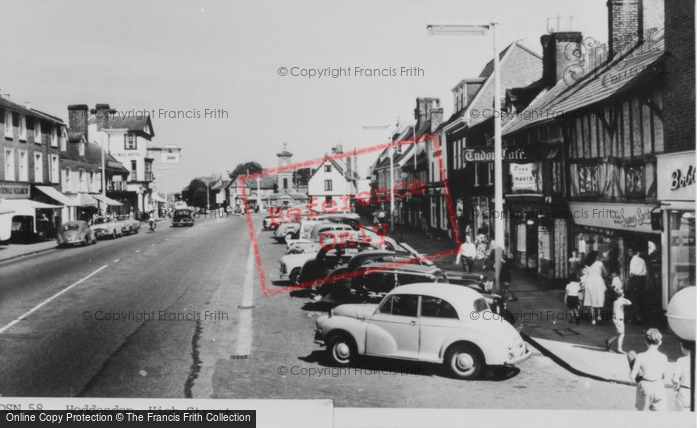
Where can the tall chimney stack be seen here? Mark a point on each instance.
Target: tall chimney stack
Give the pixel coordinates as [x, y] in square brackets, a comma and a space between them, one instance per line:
[78, 119]
[630, 23]
[557, 49]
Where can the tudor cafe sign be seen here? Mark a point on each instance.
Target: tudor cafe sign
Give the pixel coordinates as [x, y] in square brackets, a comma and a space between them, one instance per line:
[510, 154]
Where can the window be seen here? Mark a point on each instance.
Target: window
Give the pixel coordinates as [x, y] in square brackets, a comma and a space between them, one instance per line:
[556, 177]
[8, 124]
[81, 148]
[9, 165]
[38, 168]
[64, 138]
[92, 186]
[23, 166]
[634, 179]
[328, 185]
[130, 141]
[133, 170]
[54, 136]
[66, 181]
[436, 308]
[328, 203]
[54, 169]
[588, 178]
[491, 170]
[284, 183]
[405, 305]
[23, 128]
[82, 185]
[327, 168]
[37, 131]
[476, 174]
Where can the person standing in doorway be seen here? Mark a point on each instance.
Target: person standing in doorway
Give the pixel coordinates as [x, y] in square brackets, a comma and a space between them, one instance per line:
[637, 284]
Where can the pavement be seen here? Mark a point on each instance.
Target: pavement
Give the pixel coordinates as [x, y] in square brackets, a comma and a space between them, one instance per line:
[540, 316]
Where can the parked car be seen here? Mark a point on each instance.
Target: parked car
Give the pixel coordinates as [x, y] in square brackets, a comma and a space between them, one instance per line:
[370, 282]
[329, 258]
[75, 233]
[183, 217]
[437, 323]
[107, 226]
[334, 231]
[129, 225]
[291, 264]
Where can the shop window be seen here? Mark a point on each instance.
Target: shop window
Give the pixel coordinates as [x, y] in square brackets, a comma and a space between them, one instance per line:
[634, 179]
[681, 235]
[588, 178]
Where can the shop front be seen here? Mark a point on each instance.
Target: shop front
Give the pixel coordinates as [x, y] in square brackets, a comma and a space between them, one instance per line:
[23, 219]
[677, 194]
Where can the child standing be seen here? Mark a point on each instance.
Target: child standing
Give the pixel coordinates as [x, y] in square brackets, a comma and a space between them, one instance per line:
[616, 281]
[681, 378]
[618, 320]
[571, 298]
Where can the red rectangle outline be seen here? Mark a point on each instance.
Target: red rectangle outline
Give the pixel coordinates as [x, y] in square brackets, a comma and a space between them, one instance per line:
[443, 179]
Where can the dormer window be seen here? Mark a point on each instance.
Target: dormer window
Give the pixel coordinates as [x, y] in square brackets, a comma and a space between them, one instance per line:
[130, 141]
[37, 131]
[81, 148]
[326, 168]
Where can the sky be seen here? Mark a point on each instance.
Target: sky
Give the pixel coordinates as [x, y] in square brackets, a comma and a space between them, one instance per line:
[180, 58]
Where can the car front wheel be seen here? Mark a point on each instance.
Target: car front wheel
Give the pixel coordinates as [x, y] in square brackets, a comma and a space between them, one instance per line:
[464, 361]
[341, 350]
[294, 275]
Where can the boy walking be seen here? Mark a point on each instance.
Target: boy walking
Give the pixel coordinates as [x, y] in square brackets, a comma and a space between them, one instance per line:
[571, 298]
[648, 371]
[618, 320]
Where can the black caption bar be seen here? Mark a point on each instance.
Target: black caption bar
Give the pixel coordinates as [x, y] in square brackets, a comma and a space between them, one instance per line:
[131, 418]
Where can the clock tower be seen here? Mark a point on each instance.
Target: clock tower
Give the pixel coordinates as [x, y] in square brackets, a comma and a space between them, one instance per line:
[284, 178]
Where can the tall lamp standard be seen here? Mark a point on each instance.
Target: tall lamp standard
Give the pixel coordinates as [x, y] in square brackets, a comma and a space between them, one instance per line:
[480, 30]
[681, 315]
[391, 168]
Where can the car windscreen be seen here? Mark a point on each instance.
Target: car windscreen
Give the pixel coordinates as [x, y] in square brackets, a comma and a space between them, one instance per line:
[101, 221]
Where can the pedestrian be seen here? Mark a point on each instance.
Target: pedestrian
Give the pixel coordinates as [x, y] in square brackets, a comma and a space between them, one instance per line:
[636, 284]
[618, 320]
[595, 286]
[43, 227]
[467, 253]
[616, 281]
[505, 276]
[575, 264]
[681, 378]
[571, 298]
[648, 371]
[482, 253]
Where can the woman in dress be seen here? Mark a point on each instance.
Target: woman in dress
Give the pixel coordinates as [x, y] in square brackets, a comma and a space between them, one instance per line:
[482, 248]
[595, 285]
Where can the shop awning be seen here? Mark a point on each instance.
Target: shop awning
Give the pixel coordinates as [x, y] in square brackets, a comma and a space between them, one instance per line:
[58, 196]
[24, 207]
[157, 198]
[84, 200]
[107, 200]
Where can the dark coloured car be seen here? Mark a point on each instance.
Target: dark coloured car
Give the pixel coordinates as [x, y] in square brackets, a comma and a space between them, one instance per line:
[328, 259]
[183, 217]
[75, 233]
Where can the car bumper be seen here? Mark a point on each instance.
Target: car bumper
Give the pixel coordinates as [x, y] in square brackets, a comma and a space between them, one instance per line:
[318, 338]
[101, 233]
[518, 359]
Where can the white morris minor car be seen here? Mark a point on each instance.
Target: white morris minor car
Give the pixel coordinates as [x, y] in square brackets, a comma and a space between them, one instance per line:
[438, 323]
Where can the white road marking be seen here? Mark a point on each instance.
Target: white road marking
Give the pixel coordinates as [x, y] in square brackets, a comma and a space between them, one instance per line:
[26, 314]
[245, 316]
[116, 261]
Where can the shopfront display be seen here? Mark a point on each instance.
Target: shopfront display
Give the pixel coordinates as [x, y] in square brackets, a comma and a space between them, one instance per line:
[677, 194]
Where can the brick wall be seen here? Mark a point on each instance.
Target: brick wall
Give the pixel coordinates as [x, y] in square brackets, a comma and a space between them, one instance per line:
[679, 88]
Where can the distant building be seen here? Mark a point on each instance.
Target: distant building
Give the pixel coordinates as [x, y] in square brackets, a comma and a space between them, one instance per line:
[333, 184]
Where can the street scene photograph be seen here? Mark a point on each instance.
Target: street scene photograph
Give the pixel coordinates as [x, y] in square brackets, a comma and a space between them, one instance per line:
[318, 213]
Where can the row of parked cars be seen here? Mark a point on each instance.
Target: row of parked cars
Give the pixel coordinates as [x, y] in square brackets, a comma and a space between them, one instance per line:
[78, 232]
[387, 300]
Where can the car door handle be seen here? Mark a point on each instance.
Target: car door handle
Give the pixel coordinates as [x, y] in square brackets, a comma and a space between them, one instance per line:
[412, 323]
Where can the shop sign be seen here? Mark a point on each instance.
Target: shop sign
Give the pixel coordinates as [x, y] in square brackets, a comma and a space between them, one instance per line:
[676, 176]
[526, 177]
[510, 154]
[629, 217]
[14, 191]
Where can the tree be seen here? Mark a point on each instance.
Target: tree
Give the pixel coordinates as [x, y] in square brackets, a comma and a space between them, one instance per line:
[244, 169]
[302, 176]
[188, 193]
[199, 197]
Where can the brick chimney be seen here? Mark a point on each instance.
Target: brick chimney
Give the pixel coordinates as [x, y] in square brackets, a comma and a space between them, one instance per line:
[557, 54]
[101, 112]
[630, 22]
[422, 110]
[78, 119]
[435, 116]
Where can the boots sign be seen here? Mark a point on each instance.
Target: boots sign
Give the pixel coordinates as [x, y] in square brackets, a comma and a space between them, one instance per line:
[510, 154]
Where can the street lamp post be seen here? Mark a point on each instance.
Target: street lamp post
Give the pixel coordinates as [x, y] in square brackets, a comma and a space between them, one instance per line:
[479, 30]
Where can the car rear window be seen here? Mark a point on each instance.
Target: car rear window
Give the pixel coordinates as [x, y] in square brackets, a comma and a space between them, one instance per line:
[480, 305]
[71, 227]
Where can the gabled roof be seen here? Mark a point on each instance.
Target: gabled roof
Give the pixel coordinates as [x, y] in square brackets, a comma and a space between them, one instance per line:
[630, 70]
[348, 175]
[92, 158]
[133, 123]
[266, 182]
